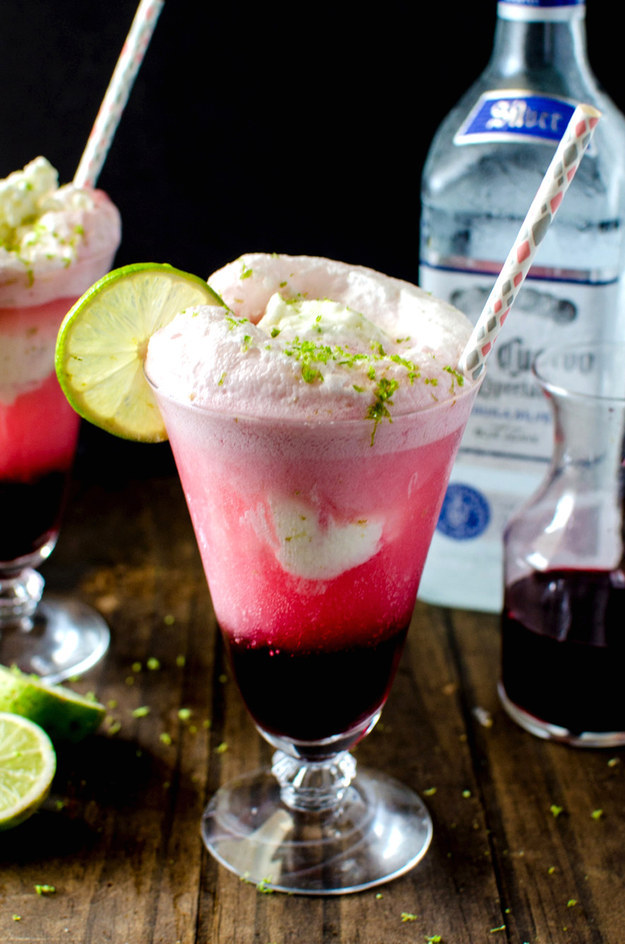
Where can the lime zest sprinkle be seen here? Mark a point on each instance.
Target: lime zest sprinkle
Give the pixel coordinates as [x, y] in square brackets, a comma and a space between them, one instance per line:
[408, 916]
[312, 356]
[233, 322]
[455, 373]
[264, 886]
[378, 410]
[141, 711]
[45, 889]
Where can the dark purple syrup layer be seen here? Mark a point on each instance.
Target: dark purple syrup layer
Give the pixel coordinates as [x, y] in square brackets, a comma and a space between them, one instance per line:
[563, 648]
[29, 514]
[312, 695]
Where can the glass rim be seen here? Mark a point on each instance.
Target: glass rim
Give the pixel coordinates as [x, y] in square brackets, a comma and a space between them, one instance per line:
[468, 388]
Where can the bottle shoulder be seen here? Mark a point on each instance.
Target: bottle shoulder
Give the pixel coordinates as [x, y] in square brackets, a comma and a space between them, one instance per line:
[491, 89]
[480, 168]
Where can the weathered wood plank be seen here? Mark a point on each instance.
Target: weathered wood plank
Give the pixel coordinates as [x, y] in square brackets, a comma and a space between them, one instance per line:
[517, 855]
[556, 863]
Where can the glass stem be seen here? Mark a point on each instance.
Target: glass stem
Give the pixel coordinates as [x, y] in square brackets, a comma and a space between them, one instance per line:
[20, 594]
[313, 785]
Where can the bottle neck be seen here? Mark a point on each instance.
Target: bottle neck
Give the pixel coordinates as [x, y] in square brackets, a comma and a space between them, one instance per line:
[532, 41]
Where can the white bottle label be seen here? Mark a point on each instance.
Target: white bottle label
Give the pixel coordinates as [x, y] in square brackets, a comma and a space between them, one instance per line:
[511, 419]
[508, 440]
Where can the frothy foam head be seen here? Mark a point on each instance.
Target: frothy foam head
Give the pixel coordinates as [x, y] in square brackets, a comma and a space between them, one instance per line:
[310, 338]
[54, 241]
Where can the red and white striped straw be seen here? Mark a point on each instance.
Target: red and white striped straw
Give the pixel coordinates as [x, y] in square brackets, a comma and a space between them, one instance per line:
[117, 93]
[560, 173]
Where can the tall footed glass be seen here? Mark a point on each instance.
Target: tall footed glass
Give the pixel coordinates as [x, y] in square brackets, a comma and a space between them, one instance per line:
[54, 637]
[313, 537]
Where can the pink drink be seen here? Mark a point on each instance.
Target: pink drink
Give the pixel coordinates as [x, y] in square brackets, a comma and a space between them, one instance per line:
[38, 433]
[313, 504]
[38, 428]
[314, 647]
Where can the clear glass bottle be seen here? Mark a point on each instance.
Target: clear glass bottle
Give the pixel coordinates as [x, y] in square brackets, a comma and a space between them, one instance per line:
[563, 644]
[483, 168]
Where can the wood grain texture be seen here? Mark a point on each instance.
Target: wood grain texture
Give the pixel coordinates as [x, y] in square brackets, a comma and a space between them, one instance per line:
[520, 854]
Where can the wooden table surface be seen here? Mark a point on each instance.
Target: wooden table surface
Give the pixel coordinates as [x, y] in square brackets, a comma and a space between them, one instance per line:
[529, 836]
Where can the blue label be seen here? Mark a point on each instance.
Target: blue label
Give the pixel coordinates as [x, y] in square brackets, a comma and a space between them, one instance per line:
[511, 116]
[465, 513]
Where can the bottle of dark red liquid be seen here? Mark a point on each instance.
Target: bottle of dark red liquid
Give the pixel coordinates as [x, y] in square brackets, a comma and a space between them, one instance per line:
[563, 624]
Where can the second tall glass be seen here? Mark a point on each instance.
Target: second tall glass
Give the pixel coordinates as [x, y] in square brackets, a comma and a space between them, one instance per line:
[52, 637]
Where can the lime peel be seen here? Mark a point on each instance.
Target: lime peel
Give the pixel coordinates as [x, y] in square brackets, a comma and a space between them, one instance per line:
[102, 342]
[62, 713]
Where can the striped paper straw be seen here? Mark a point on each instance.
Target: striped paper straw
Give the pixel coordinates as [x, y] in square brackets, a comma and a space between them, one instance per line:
[117, 93]
[560, 173]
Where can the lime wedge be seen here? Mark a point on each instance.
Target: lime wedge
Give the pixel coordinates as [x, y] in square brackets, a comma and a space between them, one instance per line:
[103, 340]
[27, 766]
[64, 714]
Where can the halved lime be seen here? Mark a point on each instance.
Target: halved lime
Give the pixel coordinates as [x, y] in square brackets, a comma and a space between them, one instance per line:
[63, 713]
[103, 340]
[27, 767]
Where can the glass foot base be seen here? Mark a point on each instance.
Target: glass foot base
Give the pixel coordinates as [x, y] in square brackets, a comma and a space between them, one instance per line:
[65, 637]
[380, 830]
[553, 732]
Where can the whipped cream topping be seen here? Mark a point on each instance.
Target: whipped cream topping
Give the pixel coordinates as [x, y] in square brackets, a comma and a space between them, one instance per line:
[49, 235]
[304, 337]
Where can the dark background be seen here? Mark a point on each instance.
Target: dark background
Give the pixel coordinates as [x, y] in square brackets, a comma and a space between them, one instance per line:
[299, 128]
[267, 126]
